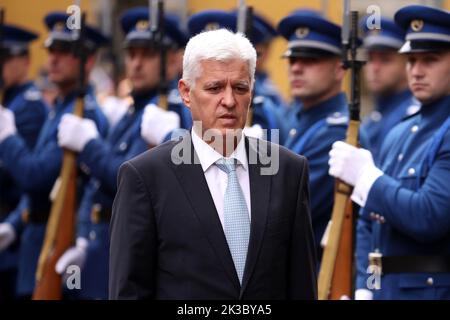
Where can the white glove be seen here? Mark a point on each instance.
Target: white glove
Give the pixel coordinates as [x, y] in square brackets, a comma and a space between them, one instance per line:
[157, 124]
[75, 132]
[73, 256]
[7, 235]
[255, 131]
[354, 166]
[7, 123]
[363, 294]
[114, 108]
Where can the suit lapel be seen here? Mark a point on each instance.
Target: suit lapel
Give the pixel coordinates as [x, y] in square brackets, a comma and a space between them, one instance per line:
[193, 182]
[259, 195]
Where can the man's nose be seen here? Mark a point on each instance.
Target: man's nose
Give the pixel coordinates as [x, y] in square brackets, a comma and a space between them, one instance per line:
[297, 66]
[417, 70]
[228, 99]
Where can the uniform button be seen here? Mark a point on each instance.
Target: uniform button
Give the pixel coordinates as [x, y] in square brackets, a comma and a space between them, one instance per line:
[430, 281]
[376, 116]
[411, 171]
[377, 217]
[414, 128]
[123, 146]
[292, 132]
[372, 215]
[85, 168]
[400, 157]
[382, 220]
[92, 235]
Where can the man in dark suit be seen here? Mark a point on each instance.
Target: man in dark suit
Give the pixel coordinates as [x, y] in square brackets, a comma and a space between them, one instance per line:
[204, 217]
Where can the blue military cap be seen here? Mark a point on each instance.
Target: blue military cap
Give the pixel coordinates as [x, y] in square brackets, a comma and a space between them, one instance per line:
[15, 40]
[63, 37]
[389, 36]
[427, 29]
[309, 34]
[211, 20]
[217, 19]
[268, 29]
[135, 24]
[262, 29]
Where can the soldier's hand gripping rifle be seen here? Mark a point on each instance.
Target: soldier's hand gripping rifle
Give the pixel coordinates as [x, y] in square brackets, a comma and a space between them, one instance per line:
[336, 271]
[60, 231]
[157, 30]
[245, 26]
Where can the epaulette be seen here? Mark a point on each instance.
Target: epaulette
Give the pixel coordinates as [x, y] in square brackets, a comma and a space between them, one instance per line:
[337, 119]
[32, 94]
[258, 99]
[174, 97]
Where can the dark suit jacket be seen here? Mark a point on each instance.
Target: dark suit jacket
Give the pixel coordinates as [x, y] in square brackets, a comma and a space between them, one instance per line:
[167, 241]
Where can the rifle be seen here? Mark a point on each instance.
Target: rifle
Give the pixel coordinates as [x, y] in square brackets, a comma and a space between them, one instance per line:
[2, 52]
[336, 272]
[245, 26]
[157, 30]
[60, 231]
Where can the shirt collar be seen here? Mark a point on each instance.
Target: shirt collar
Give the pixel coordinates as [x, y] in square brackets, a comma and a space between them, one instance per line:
[208, 156]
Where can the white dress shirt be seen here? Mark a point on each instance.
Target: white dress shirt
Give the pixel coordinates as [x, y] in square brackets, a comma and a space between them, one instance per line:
[217, 179]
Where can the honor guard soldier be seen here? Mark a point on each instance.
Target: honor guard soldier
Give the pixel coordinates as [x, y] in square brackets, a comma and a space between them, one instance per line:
[319, 114]
[103, 157]
[403, 233]
[21, 96]
[36, 170]
[264, 112]
[385, 74]
[264, 86]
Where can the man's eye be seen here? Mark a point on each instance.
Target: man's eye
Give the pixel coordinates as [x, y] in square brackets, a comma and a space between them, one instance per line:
[242, 89]
[213, 89]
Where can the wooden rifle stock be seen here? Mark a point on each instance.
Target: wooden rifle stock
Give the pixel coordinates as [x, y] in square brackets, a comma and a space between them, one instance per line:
[336, 272]
[335, 276]
[60, 229]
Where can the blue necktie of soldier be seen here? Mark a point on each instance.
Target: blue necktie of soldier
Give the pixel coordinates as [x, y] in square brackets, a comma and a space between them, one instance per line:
[236, 217]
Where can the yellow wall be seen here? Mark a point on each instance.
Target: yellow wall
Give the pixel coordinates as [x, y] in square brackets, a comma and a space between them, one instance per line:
[30, 14]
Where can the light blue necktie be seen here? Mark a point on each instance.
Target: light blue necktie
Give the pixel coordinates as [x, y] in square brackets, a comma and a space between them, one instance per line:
[236, 217]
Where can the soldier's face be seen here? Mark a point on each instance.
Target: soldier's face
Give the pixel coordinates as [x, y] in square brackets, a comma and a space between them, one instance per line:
[311, 78]
[15, 70]
[221, 95]
[142, 68]
[429, 75]
[63, 67]
[385, 72]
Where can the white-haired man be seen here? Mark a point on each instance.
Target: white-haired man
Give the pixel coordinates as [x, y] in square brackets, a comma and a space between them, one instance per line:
[185, 225]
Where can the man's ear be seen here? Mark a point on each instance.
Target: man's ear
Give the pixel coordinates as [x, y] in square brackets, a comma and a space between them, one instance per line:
[340, 70]
[90, 63]
[184, 90]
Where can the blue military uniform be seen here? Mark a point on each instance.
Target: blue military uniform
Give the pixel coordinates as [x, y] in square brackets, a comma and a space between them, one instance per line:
[102, 159]
[265, 112]
[389, 110]
[406, 216]
[35, 170]
[30, 112]
[312, 131]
